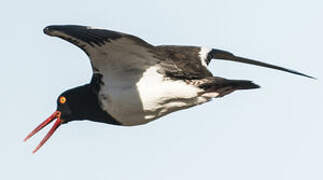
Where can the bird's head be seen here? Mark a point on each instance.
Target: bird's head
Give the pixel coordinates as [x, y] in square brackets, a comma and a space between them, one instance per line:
[79, 103]
[74, 104]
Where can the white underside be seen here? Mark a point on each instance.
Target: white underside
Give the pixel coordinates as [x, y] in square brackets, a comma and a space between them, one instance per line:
[151, 97]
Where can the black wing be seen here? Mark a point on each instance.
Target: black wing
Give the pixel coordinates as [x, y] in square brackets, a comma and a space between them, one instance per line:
[225, 55]
[182, 62]
[109, 51]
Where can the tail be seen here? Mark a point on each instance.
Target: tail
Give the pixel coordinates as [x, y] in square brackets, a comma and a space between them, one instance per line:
[223, 86]
[224, 55]
[240, 84]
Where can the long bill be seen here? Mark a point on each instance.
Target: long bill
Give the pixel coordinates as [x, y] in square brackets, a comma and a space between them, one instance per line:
[58, 122]
[224, 55]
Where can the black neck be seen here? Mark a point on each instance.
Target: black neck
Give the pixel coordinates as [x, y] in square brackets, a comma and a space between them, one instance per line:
[84, 103]
[97, 114]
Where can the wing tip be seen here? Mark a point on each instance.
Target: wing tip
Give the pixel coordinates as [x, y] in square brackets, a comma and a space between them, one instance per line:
[301, 74]
[225, 55]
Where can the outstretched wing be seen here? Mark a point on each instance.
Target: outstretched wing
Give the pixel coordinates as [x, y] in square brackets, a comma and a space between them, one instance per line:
[123, 57]
[111, 53]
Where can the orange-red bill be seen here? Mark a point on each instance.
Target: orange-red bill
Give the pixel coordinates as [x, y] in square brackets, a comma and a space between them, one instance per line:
[58, 122]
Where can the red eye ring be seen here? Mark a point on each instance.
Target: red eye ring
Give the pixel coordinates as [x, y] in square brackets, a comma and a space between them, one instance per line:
[62, 99]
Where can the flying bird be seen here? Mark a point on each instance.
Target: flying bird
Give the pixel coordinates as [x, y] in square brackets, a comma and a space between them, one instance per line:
[135, 82]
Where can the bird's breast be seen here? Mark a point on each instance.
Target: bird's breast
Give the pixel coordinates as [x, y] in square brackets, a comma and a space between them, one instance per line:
[152, 96]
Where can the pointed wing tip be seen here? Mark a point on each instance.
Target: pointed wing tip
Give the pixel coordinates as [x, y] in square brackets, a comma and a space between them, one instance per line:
[311, 77]
[225, 55]
[304, 75]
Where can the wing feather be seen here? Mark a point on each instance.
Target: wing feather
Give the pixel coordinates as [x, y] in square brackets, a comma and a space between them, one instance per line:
[125, 57]
[109, 51]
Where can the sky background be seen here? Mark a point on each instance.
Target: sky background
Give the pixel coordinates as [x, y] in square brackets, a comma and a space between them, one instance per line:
[270, 133]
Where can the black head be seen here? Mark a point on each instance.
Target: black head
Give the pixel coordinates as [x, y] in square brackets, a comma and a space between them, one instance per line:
[79, 103]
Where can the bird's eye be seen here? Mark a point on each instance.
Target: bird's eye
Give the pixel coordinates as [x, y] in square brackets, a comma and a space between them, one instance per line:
[62, 99]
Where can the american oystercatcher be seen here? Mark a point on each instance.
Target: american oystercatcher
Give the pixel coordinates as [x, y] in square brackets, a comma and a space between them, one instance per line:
[135, 82]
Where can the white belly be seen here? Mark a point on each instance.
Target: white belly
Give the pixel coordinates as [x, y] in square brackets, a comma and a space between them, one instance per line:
[149, 98]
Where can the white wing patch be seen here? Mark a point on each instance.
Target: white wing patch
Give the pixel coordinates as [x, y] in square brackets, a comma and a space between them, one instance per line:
[203, 55]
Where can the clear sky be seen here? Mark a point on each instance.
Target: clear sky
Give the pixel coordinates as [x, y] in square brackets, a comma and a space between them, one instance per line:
[271, 133]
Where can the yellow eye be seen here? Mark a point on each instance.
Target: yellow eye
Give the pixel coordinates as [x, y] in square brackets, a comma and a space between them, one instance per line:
[62, 99]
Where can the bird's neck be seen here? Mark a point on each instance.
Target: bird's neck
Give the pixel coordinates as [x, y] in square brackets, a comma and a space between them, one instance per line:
[92, 109]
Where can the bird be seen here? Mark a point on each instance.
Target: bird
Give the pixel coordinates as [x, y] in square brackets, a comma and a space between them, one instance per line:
[135, 82]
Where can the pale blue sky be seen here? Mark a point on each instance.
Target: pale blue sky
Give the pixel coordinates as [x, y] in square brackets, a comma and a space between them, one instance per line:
[271, 133]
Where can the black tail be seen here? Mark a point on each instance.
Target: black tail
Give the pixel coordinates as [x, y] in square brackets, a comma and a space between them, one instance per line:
[240, 84]
[224, 55]
[226, 86]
